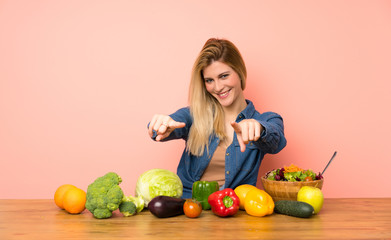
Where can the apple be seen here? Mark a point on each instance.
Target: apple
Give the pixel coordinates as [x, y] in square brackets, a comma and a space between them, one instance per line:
[312, 196]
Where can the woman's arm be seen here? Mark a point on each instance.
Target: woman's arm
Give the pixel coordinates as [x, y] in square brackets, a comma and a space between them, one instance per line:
[272, 139]
[266, 130]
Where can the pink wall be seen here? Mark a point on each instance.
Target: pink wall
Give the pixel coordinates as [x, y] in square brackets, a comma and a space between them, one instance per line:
[79, 80]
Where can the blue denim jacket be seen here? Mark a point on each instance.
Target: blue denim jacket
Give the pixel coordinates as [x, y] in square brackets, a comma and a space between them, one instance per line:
[240, 167]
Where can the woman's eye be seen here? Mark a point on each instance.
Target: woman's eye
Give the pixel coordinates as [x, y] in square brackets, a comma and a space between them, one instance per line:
[208, 80]
[224, 76]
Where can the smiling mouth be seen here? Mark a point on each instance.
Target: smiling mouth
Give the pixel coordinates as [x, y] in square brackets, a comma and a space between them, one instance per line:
[224, 94]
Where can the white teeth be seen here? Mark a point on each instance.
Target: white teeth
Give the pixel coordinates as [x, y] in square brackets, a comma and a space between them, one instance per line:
[223, 94]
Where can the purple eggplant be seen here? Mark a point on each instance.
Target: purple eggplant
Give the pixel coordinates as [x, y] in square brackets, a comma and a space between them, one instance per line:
[164, 206]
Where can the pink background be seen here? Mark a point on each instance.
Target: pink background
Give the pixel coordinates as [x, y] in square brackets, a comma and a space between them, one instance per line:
[79, 81]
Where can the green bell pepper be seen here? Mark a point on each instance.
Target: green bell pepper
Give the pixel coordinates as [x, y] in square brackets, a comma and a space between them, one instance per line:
[201, 191]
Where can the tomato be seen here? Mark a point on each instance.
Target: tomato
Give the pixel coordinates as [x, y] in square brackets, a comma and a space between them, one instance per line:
[308, 179]
[192, 208]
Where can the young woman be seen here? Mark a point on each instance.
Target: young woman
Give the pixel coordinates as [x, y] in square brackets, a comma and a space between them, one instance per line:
[226, 138]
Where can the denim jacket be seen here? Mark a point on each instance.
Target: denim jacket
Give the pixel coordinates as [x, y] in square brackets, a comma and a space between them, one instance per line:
[240, 167]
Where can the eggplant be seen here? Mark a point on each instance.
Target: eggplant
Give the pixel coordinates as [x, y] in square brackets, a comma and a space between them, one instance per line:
[164, 206]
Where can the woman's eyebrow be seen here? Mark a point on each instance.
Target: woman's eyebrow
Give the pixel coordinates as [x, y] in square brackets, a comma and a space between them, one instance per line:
[220, 75]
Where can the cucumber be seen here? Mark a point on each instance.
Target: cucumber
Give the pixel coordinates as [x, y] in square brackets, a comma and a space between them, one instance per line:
[294, 208]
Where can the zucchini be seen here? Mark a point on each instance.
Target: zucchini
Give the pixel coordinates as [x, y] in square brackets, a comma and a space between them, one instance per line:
[294, 208]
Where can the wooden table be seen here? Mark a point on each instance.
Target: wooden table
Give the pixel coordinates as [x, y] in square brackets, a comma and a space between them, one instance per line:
[339, 219]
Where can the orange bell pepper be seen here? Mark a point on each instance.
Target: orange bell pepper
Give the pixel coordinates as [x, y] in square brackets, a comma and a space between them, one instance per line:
[258, 203]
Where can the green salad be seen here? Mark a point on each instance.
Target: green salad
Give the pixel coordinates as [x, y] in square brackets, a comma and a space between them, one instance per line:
[293, 174]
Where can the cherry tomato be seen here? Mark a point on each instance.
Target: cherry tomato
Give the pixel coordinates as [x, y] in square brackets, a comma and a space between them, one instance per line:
[308, 179]
[192, 208]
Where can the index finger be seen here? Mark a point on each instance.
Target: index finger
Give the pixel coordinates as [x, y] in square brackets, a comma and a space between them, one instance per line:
[238, 131]
[174, 124]
[241, 143]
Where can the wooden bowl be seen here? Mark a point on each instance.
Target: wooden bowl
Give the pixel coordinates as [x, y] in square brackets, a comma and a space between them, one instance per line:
[283, 190]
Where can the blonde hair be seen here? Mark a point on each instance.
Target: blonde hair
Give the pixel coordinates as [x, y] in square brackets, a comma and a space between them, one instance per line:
[207, 113]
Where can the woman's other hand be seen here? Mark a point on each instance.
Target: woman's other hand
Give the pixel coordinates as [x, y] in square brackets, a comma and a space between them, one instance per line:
[247, 130]
[163, 125]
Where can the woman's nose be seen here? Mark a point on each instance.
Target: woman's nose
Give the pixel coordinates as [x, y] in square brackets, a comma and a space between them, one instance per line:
[218, 85]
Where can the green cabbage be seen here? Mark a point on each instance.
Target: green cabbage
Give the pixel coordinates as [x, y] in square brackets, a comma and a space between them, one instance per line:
[158, 182]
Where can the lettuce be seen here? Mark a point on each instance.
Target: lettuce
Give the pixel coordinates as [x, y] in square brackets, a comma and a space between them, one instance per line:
[280, 175]
[158, 182]
[309, 173]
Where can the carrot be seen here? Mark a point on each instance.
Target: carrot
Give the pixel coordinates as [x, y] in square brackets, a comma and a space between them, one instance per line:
[292, 168]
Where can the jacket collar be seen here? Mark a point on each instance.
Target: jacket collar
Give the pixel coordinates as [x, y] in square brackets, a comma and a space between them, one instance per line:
[248, 112]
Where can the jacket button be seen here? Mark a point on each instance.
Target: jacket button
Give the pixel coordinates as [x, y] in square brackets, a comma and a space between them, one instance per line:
[227, 172]
[227, 154]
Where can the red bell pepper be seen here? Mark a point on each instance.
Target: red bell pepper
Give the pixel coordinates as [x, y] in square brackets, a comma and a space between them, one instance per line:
[224, 203]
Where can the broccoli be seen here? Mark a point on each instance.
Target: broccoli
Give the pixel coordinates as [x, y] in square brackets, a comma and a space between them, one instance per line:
[127, 207]
[138, 202]
[104, 195]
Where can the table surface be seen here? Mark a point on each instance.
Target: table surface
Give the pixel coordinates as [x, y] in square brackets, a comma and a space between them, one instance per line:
[357, 218]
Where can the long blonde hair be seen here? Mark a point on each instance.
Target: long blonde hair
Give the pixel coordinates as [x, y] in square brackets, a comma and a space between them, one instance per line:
[207, 113]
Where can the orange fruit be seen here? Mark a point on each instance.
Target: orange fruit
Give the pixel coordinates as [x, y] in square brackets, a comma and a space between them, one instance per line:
[59, 194]
[242, 191]
[74, 200]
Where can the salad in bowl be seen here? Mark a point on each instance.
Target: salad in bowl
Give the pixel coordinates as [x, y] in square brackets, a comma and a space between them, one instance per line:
[284, 183]
[293, 173]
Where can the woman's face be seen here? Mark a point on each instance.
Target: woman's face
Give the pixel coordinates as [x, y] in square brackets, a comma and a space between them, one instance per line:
[223, 83]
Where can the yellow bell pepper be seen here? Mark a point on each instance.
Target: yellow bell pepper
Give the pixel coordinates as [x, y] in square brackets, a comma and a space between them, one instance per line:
[258, 203]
